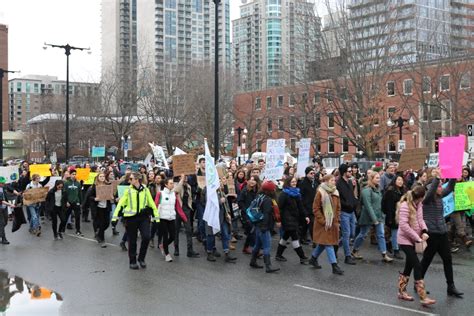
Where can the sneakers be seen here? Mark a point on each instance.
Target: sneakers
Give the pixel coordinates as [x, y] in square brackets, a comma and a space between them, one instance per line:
[231, 247]
[142, 264]
[229, 258]
[176, 253]
[386, 258]
[133, 266]
[5, 241]
[355, 254]
[79, 233]
[102, 244]
[152, 243]
[454, 249]
[168, 258]
[60, 236]
[280, 258]
[211, 257]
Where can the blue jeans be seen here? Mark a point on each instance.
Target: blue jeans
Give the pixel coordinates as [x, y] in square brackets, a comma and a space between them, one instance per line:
[394, 239]
[379, 233]
[263, 240]
[34, 213]
[225, 238]
[201, 225]
[348, 226]
[329, 251]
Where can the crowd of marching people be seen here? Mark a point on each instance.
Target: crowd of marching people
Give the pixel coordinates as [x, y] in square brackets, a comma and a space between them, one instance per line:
[401, 212]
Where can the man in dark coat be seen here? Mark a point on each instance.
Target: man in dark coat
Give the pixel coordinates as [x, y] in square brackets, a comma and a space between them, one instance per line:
[308, 186]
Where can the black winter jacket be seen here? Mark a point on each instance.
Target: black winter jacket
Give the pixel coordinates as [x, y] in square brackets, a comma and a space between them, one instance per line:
[349, 202]
[268, 218]
[246, 197]
[50, 200]
[308, 192]
[389, 206]
[433, 212]
[291, 211]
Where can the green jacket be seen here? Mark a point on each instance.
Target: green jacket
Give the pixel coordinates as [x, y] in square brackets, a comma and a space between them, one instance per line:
[134, 201]
[73, 191]
[371, 207]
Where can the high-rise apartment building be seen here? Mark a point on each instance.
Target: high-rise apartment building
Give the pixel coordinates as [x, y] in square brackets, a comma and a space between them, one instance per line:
[272, 42]
[33, 95]
[4, 83]
[462, 25]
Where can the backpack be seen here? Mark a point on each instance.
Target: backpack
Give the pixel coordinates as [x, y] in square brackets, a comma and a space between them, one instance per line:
[254, 213]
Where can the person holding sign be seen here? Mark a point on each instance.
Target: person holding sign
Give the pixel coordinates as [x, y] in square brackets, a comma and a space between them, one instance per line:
[74, 198]
[438, 242]
[100, 208]
[458, 220]
[56, 206]
[33, 209]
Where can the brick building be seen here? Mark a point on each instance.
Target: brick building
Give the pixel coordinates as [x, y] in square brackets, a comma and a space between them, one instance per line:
[437, 97]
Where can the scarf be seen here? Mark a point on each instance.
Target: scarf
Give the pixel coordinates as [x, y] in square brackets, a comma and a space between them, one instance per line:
[328, 211]
[293, 192]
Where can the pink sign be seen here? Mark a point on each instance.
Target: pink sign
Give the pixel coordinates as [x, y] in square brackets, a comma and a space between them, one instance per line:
[451, 153]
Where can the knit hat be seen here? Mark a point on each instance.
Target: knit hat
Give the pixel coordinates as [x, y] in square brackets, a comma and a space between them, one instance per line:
[268, 186]
[308, 170]
[343, 168]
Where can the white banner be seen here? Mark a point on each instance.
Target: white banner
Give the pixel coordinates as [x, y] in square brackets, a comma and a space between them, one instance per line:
[303, 156]
[9, 173]
[275, 158]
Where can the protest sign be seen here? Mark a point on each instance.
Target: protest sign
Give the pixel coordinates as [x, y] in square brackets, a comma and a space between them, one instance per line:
[52, 182]
[231, 187]
[184, 164]
[159, 154]
[201, 180]
[451, 153]
[43, 170]
[221, 171]
[433, 160]
[82, 174]
[33, 196]
[413, 158]
[275, 158]
[104, 192]
[121, 190]
[303, 156]
[98, 152]
[464, 196]
[9, 173]
[90, 180]
[448, 204]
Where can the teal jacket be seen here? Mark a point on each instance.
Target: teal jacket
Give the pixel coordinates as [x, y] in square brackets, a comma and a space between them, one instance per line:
[371, 207]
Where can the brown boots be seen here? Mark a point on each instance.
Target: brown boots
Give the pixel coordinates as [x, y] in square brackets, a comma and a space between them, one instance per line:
[402, 288]
[420, 289]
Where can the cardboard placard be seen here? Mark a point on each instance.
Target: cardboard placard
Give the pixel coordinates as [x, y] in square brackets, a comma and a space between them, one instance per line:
[451, 154]
[201, 180]
[464, 196]
[104, 192]
[221, 171]
[43, 170]
[184, 164]
[413, 158]
[231, 187]
[121, 190]
[82, 174]
[33, 196]
[91, 179]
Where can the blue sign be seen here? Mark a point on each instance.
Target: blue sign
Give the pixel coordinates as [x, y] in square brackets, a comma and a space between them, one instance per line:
[448, 202]
[98, 152]
[125, 146]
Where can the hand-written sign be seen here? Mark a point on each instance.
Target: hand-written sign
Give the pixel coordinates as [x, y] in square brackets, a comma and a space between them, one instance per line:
[413, 158]
[9, 173]
[231, 187]
[43, 170]
[33, 196]
[184, 164]
[104, 192]
[464, 196]
[433, 160]
[275, 159]
[303, 156]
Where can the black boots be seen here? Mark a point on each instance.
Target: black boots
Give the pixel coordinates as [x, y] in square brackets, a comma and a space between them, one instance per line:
[254, 264]
[300, 252]
[336, 269]
[397, 255]
[279, 254]
[268, 265]
[229, 258]
[5, 241]
[314, 262]
[452, 291]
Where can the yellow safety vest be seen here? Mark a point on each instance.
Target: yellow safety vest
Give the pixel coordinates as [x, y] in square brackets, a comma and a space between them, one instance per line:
[129, 203]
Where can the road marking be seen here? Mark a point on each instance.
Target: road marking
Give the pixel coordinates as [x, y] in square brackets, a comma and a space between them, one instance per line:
[92, 240]
[363, 300]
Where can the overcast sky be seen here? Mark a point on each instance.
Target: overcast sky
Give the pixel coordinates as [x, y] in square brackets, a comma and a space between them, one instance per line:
[74, 22]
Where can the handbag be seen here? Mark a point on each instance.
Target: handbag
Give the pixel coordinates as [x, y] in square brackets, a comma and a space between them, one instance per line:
[420, 247]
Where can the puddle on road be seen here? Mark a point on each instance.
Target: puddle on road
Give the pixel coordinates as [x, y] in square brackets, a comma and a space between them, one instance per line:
[20, 297]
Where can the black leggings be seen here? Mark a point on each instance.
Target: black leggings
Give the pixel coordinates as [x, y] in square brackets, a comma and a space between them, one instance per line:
[438, 243]
[56, 212]
[411, 262]
[102, 220]
[167, 232]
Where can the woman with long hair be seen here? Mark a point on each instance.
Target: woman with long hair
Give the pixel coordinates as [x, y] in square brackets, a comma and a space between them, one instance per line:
[247, 195]
[392, 195]
[412, 230]
[56, 207]
[327, 211]
[292, 213]
[155, 187]
[371, 214]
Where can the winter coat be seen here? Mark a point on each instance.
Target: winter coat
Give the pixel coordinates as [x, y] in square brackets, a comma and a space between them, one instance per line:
[407, 234]
[371, 207]
[180, 188]
[246, 197]
[385, 181]
[320, 234]
[348, 200]
[168, 204]
[268, 215]
[389, 206]
[89, 201]
[51, 199]
[291, 211]
[433, 212]
[308, 192]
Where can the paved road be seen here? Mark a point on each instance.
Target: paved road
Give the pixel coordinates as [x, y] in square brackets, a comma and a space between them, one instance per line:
[95, 281]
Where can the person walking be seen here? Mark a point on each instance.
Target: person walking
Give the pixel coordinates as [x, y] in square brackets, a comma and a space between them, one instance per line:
[327, 210]
[371, 214]
[74, 199]
[438, 242]
[247, 195]
[412, 230]
[291, 211]
[34, 209]
[308, 186]
[3, 212]
[391, 197]
[263, 227]
[137, 205]
[56, 205]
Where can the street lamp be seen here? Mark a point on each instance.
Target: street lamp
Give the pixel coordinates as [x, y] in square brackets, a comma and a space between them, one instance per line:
[399, 122]
[2, 72]
[125, 145]
[244, 142]
[216, 80]
[239, 131]
[67, 48]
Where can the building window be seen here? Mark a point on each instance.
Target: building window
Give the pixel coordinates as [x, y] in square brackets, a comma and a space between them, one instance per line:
[444, 83]
[293, 144]
[331, 120]
[292, 100]
[390, 112]
[344, 94]
[269, 103]
[304, 98]
[465, 81]
[258, 125]
[292, 122]
[317, 97]
[392, 147]
[426, 84]
[331, 145]
[280, 101]
[390, 88]
[258, 104]
[281, 124]
[18, 87]
[269, 125]
[446, 109]
[330, 95]
[408, 87]
[345, 145]
[317, 120]
[258, 145]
